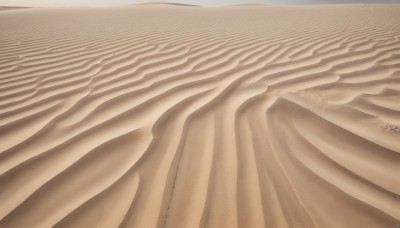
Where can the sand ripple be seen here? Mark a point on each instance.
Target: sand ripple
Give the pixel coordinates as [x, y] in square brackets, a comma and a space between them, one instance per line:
[180, 116]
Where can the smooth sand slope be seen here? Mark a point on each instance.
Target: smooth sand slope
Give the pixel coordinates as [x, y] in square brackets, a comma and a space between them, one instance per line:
[178, 116]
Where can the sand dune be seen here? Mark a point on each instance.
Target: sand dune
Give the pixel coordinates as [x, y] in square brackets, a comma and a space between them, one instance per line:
[174, 116]
[11, 8]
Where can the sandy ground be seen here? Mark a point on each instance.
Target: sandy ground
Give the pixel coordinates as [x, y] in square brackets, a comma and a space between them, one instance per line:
[178, 116]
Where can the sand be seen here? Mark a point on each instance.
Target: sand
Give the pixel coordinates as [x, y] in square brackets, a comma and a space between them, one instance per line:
[11, 8]
[162, 115]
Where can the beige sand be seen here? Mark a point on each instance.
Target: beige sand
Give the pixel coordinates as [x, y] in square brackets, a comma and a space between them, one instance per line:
[11, 8]
[180, 116]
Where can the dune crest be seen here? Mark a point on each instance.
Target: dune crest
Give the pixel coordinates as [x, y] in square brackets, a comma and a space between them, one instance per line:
[153, 116]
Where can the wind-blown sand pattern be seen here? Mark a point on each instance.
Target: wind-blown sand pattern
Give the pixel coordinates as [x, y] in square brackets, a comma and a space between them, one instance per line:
[180, 116]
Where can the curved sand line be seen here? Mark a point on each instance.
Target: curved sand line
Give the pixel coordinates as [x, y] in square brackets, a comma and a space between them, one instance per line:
[160, 115]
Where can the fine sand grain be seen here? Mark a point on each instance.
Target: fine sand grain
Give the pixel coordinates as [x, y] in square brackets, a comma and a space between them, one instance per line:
[178, 116]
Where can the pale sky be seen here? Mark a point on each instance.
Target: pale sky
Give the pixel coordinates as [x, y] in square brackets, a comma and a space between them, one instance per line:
[192, 2]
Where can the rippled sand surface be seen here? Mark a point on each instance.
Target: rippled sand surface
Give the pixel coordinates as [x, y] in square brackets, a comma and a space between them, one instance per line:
[181, 116]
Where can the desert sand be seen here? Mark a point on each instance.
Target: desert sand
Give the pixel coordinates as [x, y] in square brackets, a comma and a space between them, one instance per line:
[161, 115]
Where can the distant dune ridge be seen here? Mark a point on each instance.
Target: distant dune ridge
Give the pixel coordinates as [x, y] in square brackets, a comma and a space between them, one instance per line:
[11, 8]
[175, 116]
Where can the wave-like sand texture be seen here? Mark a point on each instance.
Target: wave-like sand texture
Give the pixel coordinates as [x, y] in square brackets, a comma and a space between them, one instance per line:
[179, 116]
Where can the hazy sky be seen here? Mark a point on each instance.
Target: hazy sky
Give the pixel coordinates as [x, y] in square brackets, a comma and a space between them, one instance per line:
[193, 2]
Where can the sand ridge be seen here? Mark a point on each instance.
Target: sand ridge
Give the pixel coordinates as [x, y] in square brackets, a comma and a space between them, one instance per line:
[154, 116]
[2, 8]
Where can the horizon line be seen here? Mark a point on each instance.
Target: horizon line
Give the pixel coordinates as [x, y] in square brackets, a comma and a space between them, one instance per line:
[192, 5]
